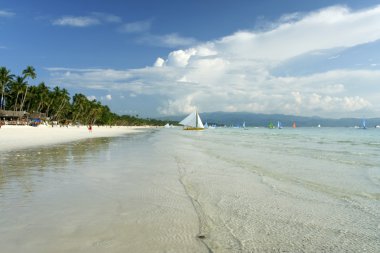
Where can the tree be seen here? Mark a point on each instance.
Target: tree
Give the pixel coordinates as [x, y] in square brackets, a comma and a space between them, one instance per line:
[61, 103]
[79, 107]
[42, 97]
[28, 72]
[5, 79]
[16, 87]
[56, 103]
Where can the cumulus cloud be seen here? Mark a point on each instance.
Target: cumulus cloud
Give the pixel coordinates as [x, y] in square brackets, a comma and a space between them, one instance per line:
[108, 97]
[235, 73]
[159, 62]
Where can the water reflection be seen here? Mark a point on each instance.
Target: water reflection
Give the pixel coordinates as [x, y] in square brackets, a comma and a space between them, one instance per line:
[22, 165]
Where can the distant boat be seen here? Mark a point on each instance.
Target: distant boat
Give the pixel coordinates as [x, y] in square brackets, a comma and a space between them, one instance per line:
[377, 126]
[364, 124]
[279, 125]
[319, 125]
[294, 124]
[192, 122]
[271, 126]
[168, 126]
[244, 126]
[206, 125]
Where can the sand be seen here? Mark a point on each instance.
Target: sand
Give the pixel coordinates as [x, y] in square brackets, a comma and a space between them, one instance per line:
[19, 137]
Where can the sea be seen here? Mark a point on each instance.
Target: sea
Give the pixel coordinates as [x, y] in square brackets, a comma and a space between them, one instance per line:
[217, 190]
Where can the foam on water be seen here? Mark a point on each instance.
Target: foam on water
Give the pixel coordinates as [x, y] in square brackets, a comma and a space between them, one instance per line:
[222, 190]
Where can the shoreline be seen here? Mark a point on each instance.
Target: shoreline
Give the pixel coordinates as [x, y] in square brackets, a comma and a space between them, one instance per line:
[20, 137]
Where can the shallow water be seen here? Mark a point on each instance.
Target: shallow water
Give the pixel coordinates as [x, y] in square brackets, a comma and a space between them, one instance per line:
[222, 190]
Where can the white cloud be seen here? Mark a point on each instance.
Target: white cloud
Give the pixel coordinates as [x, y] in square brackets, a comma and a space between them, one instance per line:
[159, 62]
[328, 28]
[234, 73]
[168, 40]
[76, 21]
[91, 98]
[6, 14]
[106, 17]
[108, 97]
[180, 58]
[95, 18]
[135, 27]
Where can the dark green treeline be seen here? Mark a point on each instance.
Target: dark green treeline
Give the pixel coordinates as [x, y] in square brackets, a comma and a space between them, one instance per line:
[18, 95]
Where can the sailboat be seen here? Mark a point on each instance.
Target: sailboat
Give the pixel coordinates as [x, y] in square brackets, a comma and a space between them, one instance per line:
[206, 125]
[192, 122]
[294, 124]
[279, 125]
[364, 125]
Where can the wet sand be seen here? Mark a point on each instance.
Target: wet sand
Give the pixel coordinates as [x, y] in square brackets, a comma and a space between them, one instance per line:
[178, 191]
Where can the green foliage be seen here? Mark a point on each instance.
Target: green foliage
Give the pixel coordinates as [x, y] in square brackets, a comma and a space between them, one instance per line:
[56, 104]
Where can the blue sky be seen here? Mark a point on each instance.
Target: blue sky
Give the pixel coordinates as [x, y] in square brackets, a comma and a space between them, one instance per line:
[156, 58]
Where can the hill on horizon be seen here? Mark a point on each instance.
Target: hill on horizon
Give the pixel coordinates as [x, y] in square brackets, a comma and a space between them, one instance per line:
[261, 120]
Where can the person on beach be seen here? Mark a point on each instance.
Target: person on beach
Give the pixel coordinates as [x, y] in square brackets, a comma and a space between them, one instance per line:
[90, 128]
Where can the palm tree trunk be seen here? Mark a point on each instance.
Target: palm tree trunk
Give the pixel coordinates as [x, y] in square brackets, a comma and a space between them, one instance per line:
[48, 108]
[2, 106]
[15, 107]
[23, 99]
[60, 107]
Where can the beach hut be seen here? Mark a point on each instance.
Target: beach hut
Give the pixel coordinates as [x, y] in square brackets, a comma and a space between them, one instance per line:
[14, 117]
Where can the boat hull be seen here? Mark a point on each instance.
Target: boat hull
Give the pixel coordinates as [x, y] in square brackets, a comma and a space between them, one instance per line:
[193, 128]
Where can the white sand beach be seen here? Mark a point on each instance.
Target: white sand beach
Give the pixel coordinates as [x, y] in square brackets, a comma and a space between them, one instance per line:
[18, 137]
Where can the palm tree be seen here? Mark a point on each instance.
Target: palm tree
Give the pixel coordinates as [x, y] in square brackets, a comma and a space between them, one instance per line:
[96, 110]
[63, 102]
[79, 107]
[42, 97]
[59, 104]
[5, 79]
[28, 72]
[15, 89]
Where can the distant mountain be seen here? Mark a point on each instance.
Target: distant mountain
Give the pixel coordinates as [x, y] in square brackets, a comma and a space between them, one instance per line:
[254, 119]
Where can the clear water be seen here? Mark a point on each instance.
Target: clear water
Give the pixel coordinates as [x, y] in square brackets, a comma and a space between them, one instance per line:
[221, 190]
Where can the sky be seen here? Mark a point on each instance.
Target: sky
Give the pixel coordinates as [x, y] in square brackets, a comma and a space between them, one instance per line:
[171, 57]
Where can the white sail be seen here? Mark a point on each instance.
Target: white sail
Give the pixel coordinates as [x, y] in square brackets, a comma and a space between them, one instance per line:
[200, 124]
[193, 120]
